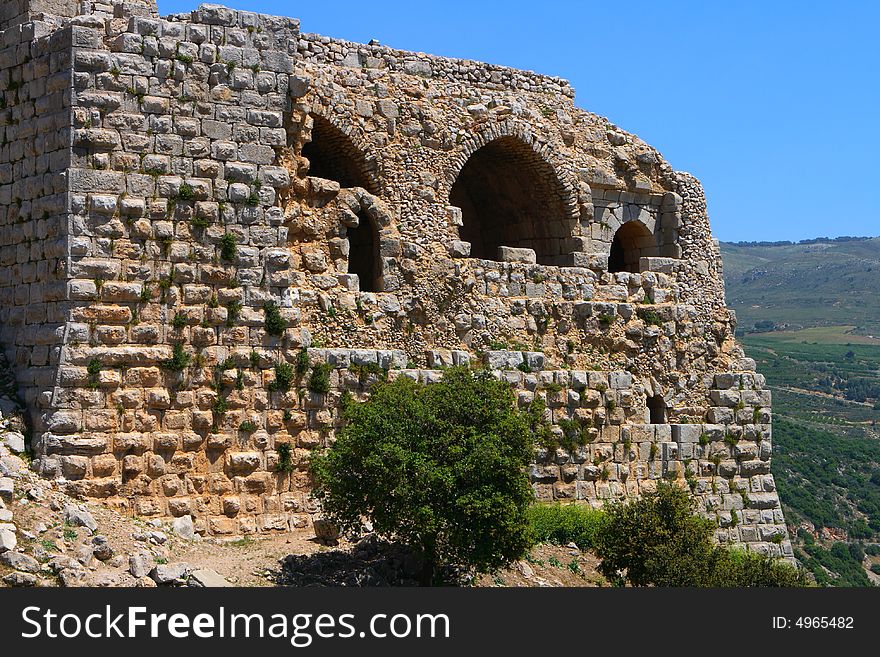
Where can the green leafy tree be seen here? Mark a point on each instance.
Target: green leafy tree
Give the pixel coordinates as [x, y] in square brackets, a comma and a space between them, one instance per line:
[657, 540]
[440, 467]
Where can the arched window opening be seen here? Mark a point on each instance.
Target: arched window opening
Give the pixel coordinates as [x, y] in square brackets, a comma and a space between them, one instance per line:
[363, 254]
[333, 155]
[657, 409]
[510, 196]
[631, 242]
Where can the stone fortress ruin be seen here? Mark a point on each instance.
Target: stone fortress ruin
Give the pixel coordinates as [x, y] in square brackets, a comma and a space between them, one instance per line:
[215, 225]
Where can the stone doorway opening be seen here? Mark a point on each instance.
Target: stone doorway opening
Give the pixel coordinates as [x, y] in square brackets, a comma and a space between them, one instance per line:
[657, 409]
[632, 241]
[363, 254]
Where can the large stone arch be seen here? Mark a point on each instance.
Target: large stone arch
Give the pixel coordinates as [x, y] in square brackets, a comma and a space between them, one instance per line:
[336, 152]
[511, 193]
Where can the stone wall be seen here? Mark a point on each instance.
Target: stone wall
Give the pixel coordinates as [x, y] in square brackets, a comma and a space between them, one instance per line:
[202, 272]
[34, 157]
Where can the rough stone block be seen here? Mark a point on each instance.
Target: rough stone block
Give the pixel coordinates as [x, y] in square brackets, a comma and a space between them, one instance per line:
[459, 249]
[503, 360]
[686, 433]
[7, 487]
[512, 254]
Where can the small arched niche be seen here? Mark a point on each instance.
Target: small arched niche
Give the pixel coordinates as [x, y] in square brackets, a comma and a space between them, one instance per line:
[510, 196]
[363, 254]
[334, 156]
[657, 409]
[632, 241]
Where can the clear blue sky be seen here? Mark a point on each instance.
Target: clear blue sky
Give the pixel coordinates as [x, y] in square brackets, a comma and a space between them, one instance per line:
[774, 105]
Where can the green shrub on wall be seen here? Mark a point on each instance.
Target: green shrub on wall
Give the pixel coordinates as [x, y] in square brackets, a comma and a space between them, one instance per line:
[319, 381]
[274, 323]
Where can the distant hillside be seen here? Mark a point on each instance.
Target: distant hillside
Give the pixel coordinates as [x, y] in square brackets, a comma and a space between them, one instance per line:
[812, 283]
[806, 311]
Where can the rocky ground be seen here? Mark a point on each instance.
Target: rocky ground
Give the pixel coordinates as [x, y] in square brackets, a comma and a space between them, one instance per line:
[48, 538]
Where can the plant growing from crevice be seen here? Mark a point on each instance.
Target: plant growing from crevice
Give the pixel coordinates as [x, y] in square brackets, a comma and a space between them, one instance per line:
[302, 361]
[179, 359]
[185, 192]
[199, 223]
[274, 323]
[319, 381]
[574, 434]
[94, 372]
[228, 247]
[233, 311]
[651, 318]
[283, 377]
[285, 457]
[220, 406]
[164, 286]
[364, 370]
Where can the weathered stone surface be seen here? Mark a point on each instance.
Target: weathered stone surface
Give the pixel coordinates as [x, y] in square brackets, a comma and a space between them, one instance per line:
[184, 528]
[502, 360]
[325, 530]
[20, 579]
[79, 518]
[459, 249]
[7, 488]
[101, 548]
[19, 561]
[139, 565]
[206, 578]
[8, 540]
[73, 577]
[169, 573]
[15, 441]
[511, 254]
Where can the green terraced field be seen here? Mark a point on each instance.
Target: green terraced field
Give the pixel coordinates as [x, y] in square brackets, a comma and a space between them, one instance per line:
[849, 372]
